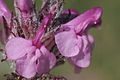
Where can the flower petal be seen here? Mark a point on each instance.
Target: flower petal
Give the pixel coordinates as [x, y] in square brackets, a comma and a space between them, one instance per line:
[26, 66]
[67, 43]
[46, 61]
[83, 58]
[18, 47]
[81, 22]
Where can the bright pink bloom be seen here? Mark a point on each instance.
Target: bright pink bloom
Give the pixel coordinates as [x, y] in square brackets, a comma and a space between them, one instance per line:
[31, 56]
[4, 11]
[73, 41]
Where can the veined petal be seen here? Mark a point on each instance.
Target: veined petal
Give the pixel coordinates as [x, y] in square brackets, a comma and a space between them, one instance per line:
[67, 43]
[4, 11]
[83, 58]
[26, 66]
[81, 22]
[46, 61]
[18, 47]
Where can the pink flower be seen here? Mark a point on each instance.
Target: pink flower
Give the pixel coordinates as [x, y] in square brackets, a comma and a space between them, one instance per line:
[4, 12]
[72, 39]
[31, 56]
[31, 36]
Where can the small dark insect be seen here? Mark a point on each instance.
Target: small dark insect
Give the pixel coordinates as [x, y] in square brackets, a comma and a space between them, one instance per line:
[63, 18]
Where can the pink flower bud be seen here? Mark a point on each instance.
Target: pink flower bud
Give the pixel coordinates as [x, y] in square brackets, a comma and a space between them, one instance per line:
[4, 11]
[25, 7]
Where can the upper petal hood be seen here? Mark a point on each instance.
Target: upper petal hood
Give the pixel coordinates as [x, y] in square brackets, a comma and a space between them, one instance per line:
[83, 21]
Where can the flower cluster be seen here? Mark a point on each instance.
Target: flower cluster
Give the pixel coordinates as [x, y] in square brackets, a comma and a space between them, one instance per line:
[38, 41]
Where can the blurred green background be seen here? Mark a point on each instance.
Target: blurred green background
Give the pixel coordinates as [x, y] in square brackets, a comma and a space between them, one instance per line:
[106, 55]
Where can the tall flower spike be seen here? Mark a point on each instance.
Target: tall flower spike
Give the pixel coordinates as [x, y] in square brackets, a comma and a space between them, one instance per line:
[5, 12]
[76, 43]
[31, 56]
[32, 37]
